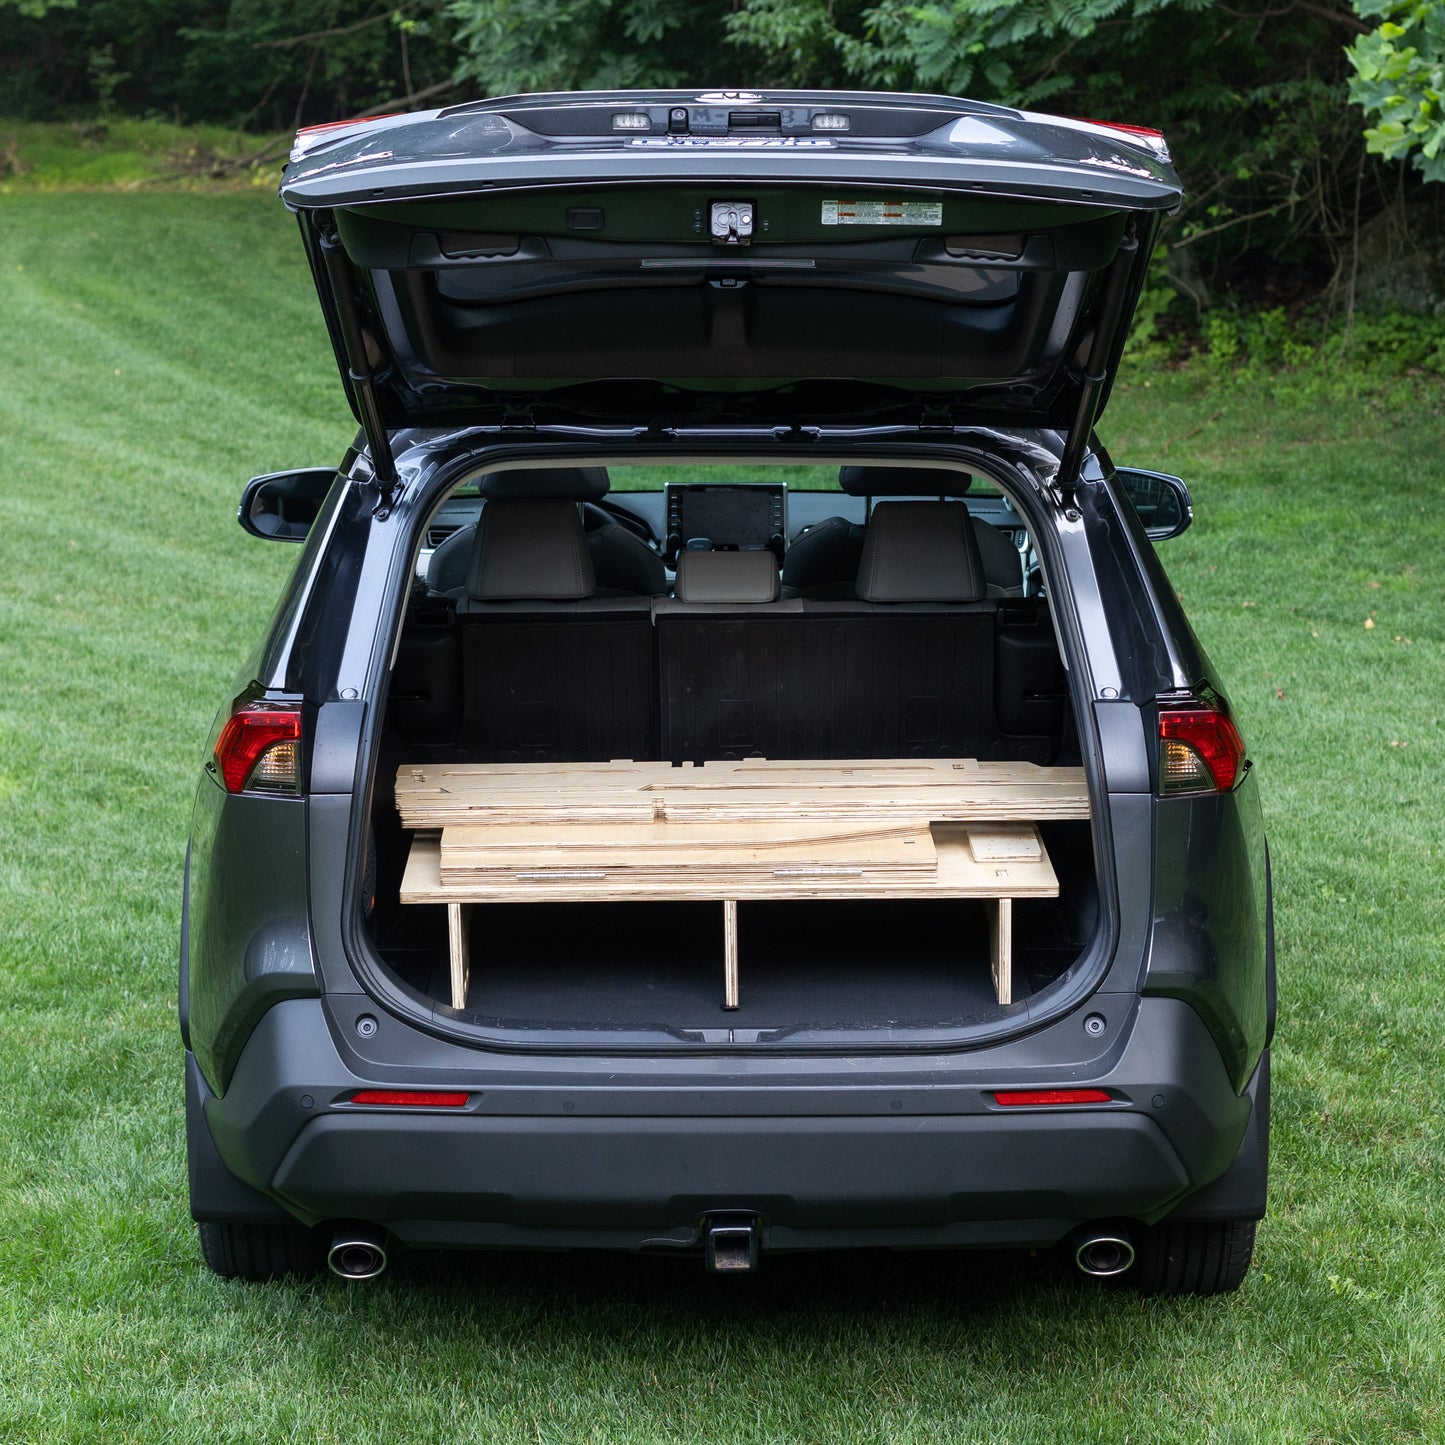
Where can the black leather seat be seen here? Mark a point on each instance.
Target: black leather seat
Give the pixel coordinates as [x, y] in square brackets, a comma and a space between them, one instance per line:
[822, 562]
[623, 565]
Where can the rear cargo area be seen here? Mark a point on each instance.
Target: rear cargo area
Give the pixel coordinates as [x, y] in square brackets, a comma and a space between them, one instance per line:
[588, 948]
[858, 967]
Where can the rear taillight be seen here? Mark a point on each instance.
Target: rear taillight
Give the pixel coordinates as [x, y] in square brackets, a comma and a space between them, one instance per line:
[1200, 749]
[259, 749]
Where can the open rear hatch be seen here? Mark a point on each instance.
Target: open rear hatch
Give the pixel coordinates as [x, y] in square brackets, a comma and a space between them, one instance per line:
[668, 259]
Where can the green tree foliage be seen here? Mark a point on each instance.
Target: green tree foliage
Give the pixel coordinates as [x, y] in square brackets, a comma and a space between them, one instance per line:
[1399, 80]
[36, 8]
[1018, 51]
[509, 46]
[268, 64]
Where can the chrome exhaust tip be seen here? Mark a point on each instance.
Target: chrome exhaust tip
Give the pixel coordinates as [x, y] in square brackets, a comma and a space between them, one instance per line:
[358, 1251]
[1103, 1253]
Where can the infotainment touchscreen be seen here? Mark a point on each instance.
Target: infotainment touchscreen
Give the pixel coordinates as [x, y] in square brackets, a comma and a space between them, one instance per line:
[725, 516]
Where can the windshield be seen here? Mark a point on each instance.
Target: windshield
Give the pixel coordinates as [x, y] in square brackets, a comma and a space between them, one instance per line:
[797, 479]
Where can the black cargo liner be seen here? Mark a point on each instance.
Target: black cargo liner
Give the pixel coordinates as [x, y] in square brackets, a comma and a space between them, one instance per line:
[855, 966]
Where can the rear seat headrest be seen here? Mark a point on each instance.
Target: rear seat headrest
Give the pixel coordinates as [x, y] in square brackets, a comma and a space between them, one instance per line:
[920, 552]
[726, 577]
[903, 482]
[575, 484]
[530, 551]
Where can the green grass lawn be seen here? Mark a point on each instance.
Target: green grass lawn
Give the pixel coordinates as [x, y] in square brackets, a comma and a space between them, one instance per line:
[154, 352]
[129, 154]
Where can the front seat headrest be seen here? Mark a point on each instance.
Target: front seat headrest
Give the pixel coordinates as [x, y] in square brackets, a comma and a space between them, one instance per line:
[524, 484]
[921, 552]
[903, 482]
[532, 551]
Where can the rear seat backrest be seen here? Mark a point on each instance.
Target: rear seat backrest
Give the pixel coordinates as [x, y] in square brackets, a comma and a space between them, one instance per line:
[554, 672]
[550, 671]
[907, 671]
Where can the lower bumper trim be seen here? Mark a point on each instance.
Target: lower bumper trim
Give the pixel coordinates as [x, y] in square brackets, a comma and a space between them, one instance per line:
[658, 1174]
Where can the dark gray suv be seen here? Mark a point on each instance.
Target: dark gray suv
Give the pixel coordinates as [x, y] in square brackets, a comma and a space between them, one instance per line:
[728, 772]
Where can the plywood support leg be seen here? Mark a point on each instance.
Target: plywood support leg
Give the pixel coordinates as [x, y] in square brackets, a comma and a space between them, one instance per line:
[1000, 946]
[730, 953]
[458, 918]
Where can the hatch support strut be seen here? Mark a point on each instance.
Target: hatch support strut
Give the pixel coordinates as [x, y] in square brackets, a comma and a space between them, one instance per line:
[358, 365]
[1112, 313]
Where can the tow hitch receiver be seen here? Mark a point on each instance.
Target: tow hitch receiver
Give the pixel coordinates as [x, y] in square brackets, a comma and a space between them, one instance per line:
[730, 1243]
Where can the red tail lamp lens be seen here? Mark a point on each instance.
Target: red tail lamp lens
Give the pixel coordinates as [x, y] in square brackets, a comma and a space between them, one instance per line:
[1120, 125]
[327, 125]
[1200, 750]
[260, 748]
[411, 1098]
[1036, 1098]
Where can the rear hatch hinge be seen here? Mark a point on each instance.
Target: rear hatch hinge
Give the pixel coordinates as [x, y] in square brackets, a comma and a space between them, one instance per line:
[517, 418]
[1055, 491]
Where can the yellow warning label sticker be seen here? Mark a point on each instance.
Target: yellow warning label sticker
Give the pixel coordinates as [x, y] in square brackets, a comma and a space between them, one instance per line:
[882, 213]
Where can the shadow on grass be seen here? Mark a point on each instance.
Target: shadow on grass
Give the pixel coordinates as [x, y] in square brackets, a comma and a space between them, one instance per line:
[581, 1287]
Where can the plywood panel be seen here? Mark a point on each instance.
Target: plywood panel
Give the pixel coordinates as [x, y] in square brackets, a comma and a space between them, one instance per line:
[958, 874]
[708, 849]
[434, 796]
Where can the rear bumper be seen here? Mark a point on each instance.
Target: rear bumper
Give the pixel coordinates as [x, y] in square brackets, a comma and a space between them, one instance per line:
[840, 1179]
[930, 1161]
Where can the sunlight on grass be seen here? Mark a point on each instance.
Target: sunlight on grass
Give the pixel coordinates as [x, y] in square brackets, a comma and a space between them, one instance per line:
[155, 353]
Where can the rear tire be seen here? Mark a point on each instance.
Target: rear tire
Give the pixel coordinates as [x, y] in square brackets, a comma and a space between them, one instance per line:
[260, 1252]
[1196, 1258]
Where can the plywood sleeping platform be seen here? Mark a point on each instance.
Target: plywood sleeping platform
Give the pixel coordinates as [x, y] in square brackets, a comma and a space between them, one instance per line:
[732, 832]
